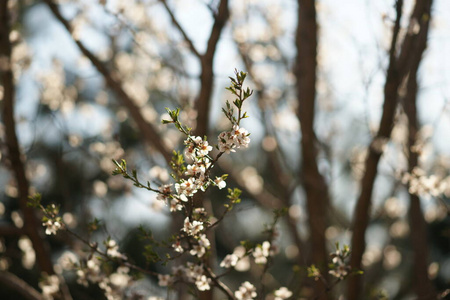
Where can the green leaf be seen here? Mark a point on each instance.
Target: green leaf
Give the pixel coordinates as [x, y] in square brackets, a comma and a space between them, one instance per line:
[35, 200]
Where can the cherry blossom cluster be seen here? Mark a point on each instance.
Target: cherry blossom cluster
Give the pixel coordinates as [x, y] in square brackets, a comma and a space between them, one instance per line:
[195, 175]
[50, 286]
[51, 220]
[235, 138]
[246, 291]
[422, 185]
[262, 252]
[193, 273]
[52, 226]
[340, 269]
[91, 271]
[192, 175]
[282, 293]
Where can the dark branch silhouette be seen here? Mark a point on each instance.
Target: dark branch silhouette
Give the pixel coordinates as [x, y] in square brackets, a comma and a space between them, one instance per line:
[32, 226]
[314, 183]
[22, 288]
[422, 284]
[397, 70]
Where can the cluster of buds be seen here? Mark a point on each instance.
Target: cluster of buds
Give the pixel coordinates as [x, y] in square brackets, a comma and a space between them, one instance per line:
[339, 268]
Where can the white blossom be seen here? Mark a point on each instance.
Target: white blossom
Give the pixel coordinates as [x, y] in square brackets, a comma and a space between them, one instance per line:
[175, 205]
[203, 241]
[120, 279]
[220, 183]
[282, 293]
[192, 228]
[229, 261]
[164, 280]
[90, 273]
[226, 142]
[197, 250]
[68, 260]
[112, 249]
[340, 271]
[193, 272]
[203, 148]
[196, 146]
[240, 135]
[260, 253]
[51, 226]
[187, 188]
[246, 292]
[236, 138]
[49, 287]
[164, 192]
[177, 247]
[202, 283]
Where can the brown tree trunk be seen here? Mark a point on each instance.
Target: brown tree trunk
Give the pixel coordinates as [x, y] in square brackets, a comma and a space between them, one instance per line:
[398, 69]
[314, 183]
[32, 226]
[423, 286]
[207, 76]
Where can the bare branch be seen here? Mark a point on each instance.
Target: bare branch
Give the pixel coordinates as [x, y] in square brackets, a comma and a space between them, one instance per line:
[32, 226]
[181, 30]
[398, 69]
[422, 284]
[202, 104]
[315, 186]
[18, 285]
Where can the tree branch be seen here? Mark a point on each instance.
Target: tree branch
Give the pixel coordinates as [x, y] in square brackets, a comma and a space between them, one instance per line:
[397, 70]
[316, 189]
[181, 30]
[10, 230]
[422, 284]
[203, 102]
[32, 226]
[16, 284]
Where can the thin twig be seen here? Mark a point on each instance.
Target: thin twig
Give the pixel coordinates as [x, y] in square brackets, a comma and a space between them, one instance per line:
[219, 283]
[181, 29]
